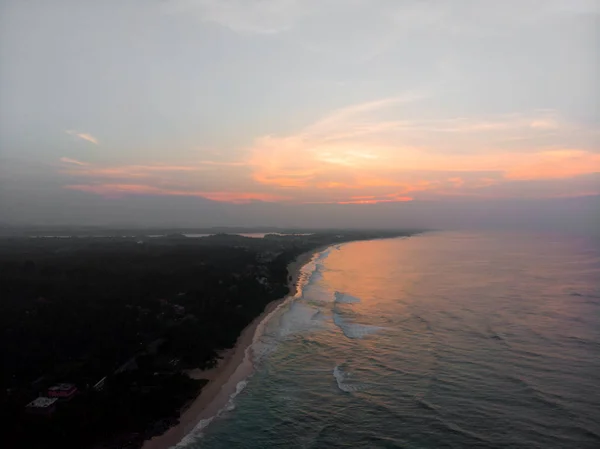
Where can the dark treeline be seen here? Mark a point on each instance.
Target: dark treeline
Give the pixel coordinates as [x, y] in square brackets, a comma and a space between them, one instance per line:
[133, 312]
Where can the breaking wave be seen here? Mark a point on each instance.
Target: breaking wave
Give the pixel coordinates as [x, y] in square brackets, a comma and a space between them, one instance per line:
[198, 432]
[289, 318]
[195, 434]
[354, 330]
[299, 318]
[344, 298]
[345, 380]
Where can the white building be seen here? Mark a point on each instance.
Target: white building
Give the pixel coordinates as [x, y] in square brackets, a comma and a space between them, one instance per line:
[42, 405]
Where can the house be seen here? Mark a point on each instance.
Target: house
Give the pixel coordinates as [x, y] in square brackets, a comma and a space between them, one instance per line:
[42, 405]
[62, 391]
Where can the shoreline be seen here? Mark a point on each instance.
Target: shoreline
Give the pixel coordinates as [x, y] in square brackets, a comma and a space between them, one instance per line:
[234, 367]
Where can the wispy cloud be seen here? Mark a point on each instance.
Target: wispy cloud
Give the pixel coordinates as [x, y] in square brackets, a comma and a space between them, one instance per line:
[70, 161]
[224, 163]
[84, 136]
[120, 190]
[370, 199]
[164, 180]
[354, 115]
[83, 169]
[555, 164]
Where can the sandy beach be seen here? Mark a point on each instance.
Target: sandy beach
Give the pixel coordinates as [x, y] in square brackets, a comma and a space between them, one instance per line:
[231, 369]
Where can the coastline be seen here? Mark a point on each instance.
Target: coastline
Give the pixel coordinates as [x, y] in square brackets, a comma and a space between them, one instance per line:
[232, 368]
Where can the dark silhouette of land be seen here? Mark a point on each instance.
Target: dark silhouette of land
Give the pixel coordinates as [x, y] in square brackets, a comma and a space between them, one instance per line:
[121, 318]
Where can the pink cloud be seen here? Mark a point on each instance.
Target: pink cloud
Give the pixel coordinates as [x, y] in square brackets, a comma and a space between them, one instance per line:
[70, 161]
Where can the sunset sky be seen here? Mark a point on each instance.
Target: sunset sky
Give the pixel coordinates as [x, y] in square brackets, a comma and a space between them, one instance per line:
[295, 102]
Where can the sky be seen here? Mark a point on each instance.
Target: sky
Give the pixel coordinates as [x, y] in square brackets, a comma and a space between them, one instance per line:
[283, 112]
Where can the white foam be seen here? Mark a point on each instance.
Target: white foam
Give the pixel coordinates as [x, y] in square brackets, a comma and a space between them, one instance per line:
[198, 432]
[263, 349]
[293, 317]
[316, 277]
[241, 385]
[287, 319]
[344, 298]
[324, 254]
[300, 318]
[194, 435]
[354, 330]
[344, 381]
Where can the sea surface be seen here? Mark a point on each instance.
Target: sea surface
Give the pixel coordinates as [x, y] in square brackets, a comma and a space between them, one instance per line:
[442, 340]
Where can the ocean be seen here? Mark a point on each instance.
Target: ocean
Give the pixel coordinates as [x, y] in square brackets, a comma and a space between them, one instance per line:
[441, 340]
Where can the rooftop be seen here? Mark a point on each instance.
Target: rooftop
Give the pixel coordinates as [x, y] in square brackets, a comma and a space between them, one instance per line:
[62, 387]
[42, 402]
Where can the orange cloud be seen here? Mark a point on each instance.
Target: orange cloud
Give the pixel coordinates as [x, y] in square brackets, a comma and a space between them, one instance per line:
[118, 190]
[555, 164]
[369, 199]
[335, 185]
[243, 197]
[368, 153]
[363, 197]
[124, 172]
[457, 181]
[83, 136]
[283, 179]
[379, 182]
[312, 166]
[374, 148]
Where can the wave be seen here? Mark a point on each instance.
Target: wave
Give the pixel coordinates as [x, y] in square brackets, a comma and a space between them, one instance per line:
[293, 317]
[324, 254]
[195, 435]
[316, 275]
[296, 318]
[299, 318]
[423, 403]
[421, 321]
[475, 438]
[586, 297]
[354, 330]
[241, 385]
[262, 349]
[492, 334]
[344, 298]
[345, 382]
[198, 431]
[289, 317]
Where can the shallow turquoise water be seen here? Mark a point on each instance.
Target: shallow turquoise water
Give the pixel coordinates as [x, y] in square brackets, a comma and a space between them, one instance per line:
[440, 340]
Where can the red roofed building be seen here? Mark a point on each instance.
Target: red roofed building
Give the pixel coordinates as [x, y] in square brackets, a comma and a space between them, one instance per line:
[62, 391]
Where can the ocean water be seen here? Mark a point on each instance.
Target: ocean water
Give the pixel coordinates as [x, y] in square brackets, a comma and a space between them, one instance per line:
[442, 340]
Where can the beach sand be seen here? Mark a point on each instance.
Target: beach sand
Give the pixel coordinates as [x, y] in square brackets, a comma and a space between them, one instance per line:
[231, 369]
